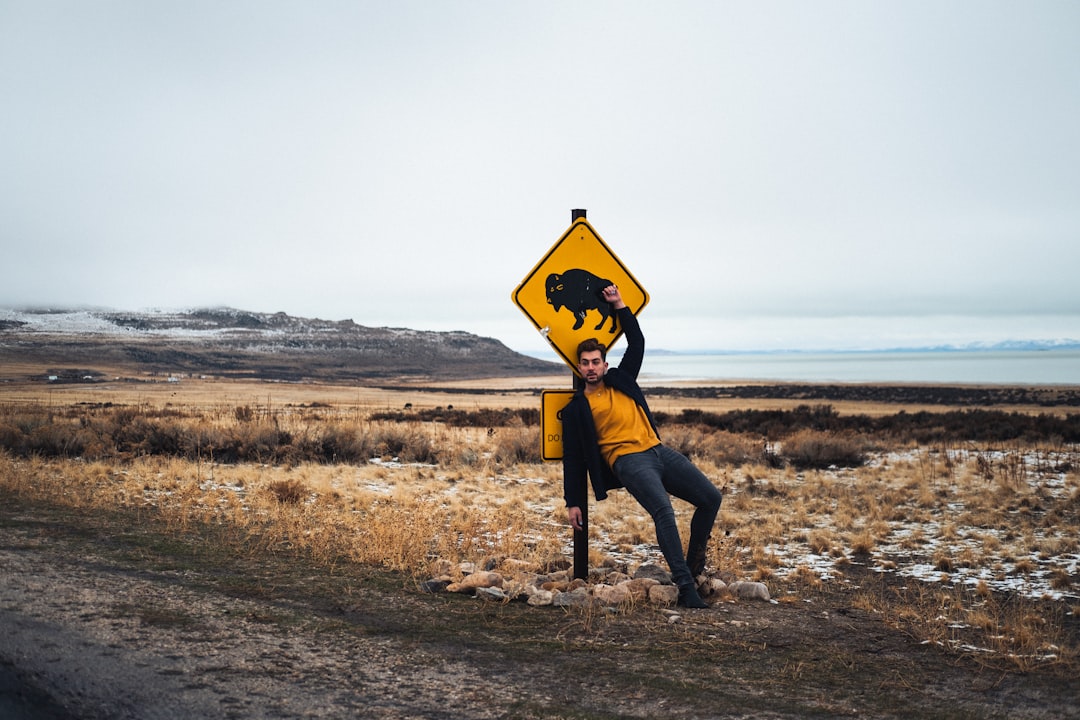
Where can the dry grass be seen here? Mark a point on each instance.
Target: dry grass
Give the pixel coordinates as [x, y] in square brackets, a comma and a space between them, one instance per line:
[987, 534]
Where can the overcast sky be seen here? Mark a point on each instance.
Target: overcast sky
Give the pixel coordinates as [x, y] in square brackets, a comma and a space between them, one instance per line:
[775, 174]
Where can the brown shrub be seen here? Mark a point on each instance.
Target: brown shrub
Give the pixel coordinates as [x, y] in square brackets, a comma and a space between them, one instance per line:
[719, 446]
[288, 492]
[407, 444]
[513, 445]
[813, 449]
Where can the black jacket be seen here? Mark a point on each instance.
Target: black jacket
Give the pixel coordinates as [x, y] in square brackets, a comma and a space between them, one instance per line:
[581, 449]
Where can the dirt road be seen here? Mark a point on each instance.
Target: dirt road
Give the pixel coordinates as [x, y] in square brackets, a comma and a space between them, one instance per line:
[110, 617]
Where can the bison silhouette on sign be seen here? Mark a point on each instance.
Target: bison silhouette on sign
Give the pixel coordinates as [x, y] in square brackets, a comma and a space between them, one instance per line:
[579, 291]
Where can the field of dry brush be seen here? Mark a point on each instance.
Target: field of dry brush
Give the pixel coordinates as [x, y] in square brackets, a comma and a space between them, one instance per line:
[956, 527]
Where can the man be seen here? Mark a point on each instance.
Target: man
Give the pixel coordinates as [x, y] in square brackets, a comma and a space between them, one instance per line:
[610, 435]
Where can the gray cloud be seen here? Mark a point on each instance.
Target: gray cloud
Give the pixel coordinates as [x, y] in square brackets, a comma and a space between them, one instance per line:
[878, 172]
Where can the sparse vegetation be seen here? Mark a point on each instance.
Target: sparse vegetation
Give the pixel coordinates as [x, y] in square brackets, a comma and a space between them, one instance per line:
[397, 489]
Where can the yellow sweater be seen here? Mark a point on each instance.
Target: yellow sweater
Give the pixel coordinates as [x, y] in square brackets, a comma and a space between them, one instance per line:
[621, 424]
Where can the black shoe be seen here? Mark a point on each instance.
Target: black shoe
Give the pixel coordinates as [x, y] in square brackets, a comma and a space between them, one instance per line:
[689, 598]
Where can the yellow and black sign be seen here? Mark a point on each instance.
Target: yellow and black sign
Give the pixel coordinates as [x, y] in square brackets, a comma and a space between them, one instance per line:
[562, 295]
[552, 403]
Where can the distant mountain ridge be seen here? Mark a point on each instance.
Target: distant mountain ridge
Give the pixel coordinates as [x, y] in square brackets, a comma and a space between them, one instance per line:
[228, 342]
[1019, 345]
[1002, 346]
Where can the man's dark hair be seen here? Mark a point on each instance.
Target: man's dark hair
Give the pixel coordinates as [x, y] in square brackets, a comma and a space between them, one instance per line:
[590, 345]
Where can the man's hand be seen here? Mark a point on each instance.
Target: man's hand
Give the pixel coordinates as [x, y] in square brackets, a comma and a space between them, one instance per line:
[612, 295]
[575, 517]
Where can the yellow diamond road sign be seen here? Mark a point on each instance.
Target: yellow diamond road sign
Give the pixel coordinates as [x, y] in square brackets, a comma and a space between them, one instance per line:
[561, 296]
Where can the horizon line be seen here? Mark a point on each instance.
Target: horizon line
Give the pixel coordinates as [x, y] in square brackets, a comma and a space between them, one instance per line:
[978, 346]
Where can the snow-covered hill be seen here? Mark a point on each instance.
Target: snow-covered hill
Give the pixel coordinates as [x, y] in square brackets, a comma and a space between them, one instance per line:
[231, 342]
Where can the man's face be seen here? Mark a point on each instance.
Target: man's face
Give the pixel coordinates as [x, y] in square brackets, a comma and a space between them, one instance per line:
[592, 366]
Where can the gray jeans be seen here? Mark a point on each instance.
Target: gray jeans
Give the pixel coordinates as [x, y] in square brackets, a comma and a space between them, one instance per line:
[650, 476]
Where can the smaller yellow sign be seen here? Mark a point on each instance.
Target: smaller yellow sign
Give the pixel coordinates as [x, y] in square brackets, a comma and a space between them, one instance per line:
[552, 403]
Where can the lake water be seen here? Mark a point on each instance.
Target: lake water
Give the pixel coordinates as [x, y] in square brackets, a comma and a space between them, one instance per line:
[1023, 367]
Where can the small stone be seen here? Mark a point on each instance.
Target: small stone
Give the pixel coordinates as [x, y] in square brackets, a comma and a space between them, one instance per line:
[574, 598]
[491, 593]
[712, 588]
[557, 565]
[481, 579]
[639, 588]
[434, 586]
[612, 594]
[749, 590]
[556, 585]
[540, 598]
[653, 572]
[664, 595]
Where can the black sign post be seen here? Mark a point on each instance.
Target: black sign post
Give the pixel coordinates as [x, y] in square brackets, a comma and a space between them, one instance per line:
[581, 537]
